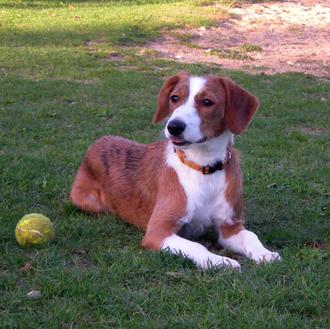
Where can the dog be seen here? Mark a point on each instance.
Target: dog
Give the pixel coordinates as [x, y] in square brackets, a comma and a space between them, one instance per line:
[177, 188]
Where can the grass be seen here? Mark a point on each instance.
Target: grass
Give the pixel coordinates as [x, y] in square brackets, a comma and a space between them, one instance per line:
[250, 48]
[230, 53]
[59, 92]
[238, 53]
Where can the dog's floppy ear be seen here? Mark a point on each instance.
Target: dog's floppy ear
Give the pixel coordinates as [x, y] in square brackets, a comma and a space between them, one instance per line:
[163, 97]
[240, 106]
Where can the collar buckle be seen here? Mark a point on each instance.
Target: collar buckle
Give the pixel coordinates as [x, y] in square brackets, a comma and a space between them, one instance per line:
[206, 170]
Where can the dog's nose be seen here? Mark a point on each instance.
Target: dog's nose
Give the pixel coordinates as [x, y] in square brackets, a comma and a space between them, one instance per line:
[176, 127]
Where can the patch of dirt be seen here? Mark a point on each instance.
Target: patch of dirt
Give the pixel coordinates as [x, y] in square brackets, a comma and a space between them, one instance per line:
[269, 37]
[319, 245]
[313, 131]
[116, 58]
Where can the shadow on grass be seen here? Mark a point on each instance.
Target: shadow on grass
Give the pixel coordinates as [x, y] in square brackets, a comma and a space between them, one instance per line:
[124, 34]
[39, 4]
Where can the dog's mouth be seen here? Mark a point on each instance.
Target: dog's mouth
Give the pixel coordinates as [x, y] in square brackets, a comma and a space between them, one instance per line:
[177, 141]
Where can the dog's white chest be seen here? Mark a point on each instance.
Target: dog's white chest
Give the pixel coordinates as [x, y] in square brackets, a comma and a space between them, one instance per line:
[206, 202]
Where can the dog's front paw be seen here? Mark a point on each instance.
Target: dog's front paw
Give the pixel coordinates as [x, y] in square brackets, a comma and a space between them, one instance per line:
[266, 257]
[216, 261]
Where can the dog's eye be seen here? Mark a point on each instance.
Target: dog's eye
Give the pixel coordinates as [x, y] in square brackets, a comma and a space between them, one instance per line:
[175, 98]
[207, 102]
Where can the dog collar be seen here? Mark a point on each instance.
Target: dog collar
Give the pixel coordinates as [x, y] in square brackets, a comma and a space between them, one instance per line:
[206, 170]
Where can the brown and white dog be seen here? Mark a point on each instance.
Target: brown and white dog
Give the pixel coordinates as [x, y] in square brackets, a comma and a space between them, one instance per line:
[176, 188]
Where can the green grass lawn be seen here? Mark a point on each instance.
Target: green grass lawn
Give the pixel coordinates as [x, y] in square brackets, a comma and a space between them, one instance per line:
[59, 92]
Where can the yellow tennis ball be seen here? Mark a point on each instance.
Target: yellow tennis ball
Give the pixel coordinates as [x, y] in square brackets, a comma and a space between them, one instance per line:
[34, 230]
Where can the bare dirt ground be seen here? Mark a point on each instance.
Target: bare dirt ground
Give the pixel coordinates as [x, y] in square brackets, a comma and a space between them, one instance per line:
[269, 37]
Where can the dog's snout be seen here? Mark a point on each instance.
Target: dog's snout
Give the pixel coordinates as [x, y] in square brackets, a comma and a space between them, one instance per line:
[176, 127]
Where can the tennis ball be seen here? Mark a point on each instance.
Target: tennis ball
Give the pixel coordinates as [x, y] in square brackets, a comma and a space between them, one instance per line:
[34, 230]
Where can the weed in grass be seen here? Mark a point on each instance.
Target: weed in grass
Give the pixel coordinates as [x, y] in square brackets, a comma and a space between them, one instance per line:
[230, 53]
[185, 39]
[250, 48]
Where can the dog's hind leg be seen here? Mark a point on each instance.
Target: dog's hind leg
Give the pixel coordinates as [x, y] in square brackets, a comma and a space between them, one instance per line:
[86, 192]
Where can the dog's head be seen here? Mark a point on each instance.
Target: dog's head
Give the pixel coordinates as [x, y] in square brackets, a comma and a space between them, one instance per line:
[201, 108]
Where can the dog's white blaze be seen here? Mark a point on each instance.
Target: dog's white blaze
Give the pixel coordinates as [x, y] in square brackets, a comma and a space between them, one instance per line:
[248, 244]
[196, 84]
[187, 112]
[196, 252]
